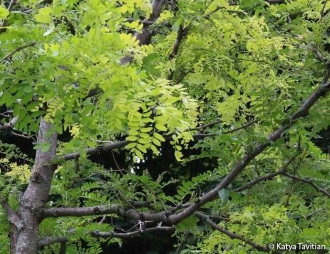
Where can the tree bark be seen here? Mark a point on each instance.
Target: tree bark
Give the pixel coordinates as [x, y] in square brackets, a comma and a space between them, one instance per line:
[24, 239]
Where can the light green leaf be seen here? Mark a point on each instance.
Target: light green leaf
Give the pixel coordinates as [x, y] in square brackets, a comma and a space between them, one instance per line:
[159, 137]
[132, 138]
[156, 142]
[138, 154]
[160, 127]
[131, 145]
[3, 12]
[44, 15]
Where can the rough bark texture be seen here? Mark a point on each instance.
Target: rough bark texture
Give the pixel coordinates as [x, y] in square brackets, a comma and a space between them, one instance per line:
[24, 239]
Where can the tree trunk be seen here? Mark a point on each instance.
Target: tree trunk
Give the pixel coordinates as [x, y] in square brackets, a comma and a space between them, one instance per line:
[24, 238]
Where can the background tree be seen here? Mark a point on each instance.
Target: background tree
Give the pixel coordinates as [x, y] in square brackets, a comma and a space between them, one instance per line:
[185, 124]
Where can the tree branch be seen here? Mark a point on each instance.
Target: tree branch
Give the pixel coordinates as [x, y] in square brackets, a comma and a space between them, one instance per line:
[45, 241]
[231, 234]
[134, 233]
[323, 8]
[80, 211]
[145, 36]
[205, 125]
[36, 194]
[180, 34]
[266, 177]
[276, 1]
[16, 50]
[86, 211]
[226, 132]
[308, 181]
[9, 125]
[144, 21]
[91, 151]
[11, 215]
[121, 144]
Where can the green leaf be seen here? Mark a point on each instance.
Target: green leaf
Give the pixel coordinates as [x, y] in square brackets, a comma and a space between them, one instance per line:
[131, 145]
[44, 15]
[3, 12]
[177, 24]
[224, 195]
[154, 149]
[160, 127]
[146, 129]
[156, 142]
[159, 137]
[142, 148]
[132, 138]
[44, 146]
[138, 154]
[187, 224]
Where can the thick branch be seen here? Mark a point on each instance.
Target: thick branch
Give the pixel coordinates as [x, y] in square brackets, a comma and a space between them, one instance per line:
[9, 125]
[85, 211]
[11, 215]
[80, 211]
[36, 194]
[180, 34]
[91, 151]
[45, 241]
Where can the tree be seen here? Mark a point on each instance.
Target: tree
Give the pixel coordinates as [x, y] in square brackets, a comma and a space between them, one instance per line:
[239, 88]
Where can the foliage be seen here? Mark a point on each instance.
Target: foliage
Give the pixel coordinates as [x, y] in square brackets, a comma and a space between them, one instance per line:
[215, 82]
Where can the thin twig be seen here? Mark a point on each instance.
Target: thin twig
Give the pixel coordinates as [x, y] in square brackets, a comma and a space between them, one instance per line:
[183, 75]
[319, 55]
[132, 234]
[322, 11]
[11, 5]
[16, 50]
[231, 234]
[240, 128]
[308, 181]
[114, 159]
[268, 176]
[205, 125]
[20, 135]
[198, 135]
